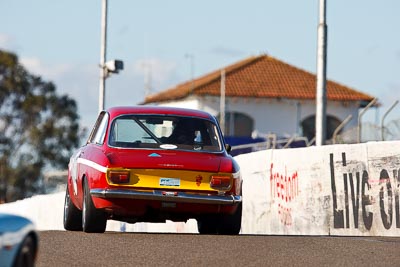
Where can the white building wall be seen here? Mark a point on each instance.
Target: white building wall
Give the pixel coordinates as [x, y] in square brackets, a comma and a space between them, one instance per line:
[191, 103]
[335, 109]
[279, 116]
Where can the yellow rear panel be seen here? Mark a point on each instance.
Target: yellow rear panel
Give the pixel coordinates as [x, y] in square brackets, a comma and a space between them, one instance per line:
[168, 179]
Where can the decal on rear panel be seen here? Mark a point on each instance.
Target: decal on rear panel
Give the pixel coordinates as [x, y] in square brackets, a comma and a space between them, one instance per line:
[199, 178]
[170, 181]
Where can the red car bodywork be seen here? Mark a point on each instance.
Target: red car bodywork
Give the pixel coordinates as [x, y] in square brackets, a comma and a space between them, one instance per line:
[152, 184]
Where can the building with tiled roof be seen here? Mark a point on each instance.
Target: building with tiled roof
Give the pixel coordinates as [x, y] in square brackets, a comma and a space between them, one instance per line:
[265, 95]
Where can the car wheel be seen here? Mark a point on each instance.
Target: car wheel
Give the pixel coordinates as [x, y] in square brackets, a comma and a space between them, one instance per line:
[72, 215]
[230, 224]
[93, 220]
[207, 225]
[26, 254]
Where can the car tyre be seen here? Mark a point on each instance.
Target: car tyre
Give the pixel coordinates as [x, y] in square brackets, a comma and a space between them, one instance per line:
[26, 253]
[230, 224]
[207, 225]
[93, 220]
[72, 215]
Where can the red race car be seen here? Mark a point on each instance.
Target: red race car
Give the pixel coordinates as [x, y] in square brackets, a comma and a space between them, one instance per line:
[151, 164]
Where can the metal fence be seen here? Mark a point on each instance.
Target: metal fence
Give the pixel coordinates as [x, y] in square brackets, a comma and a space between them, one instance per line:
[272, 142]
[370, 132]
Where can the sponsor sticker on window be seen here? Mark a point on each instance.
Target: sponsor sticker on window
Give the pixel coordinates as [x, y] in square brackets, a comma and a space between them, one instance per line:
[170, 181]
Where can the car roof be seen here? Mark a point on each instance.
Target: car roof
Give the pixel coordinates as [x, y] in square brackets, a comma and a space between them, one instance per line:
[148, 110]
[13, 222]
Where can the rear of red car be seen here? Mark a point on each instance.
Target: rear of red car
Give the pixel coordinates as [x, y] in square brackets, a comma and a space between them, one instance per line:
[167, 165]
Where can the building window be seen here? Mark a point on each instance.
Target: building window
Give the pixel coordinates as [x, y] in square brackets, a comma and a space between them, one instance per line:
[308, 126]
[238, 124]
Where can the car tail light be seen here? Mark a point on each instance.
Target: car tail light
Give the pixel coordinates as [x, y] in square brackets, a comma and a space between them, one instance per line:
[119, 177]
[220, 182]
[229, 166]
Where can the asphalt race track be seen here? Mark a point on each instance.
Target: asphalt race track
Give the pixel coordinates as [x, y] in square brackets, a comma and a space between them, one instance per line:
[61, 248]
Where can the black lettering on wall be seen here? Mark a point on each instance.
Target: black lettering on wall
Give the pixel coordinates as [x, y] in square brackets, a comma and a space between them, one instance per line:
[346, 199]
[366, 201]
[355, 198]
[386, 218]
[389, 192]
[396, 175]
[338, 220]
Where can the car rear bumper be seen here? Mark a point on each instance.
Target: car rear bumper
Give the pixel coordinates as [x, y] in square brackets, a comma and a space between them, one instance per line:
[158, 195]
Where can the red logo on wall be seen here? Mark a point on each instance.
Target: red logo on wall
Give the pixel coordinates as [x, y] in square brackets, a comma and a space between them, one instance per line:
[198, 180]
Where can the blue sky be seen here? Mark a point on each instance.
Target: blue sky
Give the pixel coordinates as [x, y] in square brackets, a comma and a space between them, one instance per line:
[60, 41]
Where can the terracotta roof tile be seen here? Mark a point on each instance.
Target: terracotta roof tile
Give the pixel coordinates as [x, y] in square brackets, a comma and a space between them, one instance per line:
[263, 77]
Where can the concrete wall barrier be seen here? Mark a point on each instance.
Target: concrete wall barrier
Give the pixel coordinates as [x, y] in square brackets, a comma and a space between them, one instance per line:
[329, 190]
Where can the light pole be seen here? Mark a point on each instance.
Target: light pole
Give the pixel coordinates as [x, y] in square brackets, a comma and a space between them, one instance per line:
[103, 50]
[191, 58]
[106, 68]
[320, 118]
[222, 102]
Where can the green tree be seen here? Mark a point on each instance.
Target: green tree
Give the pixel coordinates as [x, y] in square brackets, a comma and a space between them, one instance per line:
[38, 129]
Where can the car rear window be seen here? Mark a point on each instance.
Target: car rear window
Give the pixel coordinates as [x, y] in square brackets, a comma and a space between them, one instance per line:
[165, 132]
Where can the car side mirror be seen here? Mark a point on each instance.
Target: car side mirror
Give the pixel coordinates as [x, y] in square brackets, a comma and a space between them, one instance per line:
[228, 148]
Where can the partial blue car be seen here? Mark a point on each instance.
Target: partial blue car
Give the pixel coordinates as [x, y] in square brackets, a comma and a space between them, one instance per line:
[19, 241]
